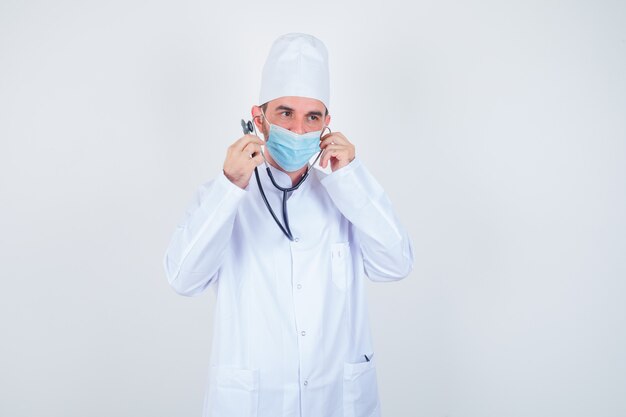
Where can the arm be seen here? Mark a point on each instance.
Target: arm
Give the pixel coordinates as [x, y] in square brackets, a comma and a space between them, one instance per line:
[196, 250]
[194, 256]
[385, 244]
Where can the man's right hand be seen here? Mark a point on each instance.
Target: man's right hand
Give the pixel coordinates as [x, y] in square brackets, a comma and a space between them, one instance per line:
[241, 158]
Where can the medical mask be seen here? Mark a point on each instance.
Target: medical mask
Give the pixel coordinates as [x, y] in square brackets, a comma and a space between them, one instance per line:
[290, 150]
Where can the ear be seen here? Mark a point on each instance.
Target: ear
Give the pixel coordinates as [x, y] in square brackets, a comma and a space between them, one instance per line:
[327, 120]
[257, 117]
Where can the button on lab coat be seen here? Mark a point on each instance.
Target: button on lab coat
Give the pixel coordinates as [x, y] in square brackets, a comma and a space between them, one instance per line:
[291, 330]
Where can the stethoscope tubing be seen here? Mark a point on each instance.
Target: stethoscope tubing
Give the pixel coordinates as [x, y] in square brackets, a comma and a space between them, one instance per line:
[249, 128]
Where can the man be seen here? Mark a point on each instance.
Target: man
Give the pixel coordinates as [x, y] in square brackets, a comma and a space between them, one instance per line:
[291, 331]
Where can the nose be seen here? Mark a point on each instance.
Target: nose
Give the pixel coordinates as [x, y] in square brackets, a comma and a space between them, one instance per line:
[298, 127]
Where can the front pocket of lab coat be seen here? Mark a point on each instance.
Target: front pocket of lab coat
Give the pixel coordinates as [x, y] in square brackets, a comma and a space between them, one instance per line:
[234, 392]
[360, 391]
[340, 264]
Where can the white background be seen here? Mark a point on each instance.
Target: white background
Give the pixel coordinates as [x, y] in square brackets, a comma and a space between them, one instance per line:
[498, 129]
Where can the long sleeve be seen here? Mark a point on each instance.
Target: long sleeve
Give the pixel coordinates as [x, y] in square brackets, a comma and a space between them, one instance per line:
[385, 244]
[194, 255]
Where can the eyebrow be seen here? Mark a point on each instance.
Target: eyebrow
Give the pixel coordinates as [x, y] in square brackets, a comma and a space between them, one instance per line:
[311, 113]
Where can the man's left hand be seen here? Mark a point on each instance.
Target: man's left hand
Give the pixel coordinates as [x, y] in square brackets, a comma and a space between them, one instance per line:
[337, 149]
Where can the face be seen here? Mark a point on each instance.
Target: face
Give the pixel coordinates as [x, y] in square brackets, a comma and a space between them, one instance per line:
[297, 114]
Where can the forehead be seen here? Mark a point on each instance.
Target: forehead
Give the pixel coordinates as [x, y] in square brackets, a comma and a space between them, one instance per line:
[298, 104]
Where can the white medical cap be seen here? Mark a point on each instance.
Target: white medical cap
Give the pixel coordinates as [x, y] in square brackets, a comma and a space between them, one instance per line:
[297, 65]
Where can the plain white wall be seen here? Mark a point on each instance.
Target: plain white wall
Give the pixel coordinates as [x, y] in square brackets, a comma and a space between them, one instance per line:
[497, 128]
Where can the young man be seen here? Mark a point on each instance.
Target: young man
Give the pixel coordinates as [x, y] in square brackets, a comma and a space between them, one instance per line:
[291, 331]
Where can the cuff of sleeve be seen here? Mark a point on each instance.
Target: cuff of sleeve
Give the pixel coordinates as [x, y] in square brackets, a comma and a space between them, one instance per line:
[227, 185]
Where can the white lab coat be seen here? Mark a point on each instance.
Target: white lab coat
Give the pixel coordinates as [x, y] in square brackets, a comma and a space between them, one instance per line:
[291, 324]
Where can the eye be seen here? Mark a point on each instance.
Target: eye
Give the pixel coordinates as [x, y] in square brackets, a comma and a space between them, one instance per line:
[286, 113]
[313, 118]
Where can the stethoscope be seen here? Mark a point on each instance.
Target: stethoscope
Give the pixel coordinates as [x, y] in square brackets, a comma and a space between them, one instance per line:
[248, 127]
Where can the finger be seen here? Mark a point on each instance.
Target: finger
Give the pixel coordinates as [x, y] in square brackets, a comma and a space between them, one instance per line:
[335, 138]
[325, 142]
[331, 147]
[256, 160]
[326, 157]
[245, 140]
[251, 148]
[338, 137]
[326, 136]
[320, 160]
[340, 152]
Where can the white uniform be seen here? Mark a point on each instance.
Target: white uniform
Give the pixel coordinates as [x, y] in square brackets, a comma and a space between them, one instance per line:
[291, 324]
